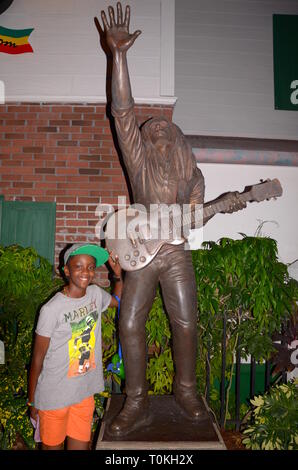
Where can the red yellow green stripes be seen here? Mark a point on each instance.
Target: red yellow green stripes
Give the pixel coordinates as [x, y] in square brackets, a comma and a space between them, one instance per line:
[15, 41]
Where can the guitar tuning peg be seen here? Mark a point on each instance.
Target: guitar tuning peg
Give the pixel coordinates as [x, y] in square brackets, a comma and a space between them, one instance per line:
[262, 181]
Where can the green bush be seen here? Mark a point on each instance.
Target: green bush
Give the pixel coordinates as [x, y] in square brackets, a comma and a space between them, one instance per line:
[275, 420]
[160, 368]
[26, 282]
[243, 280]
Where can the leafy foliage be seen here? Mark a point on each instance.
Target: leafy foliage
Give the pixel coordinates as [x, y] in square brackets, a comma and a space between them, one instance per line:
[160, 369]
[275, 420]
[281, 358]
[26, 282]
[243, 280]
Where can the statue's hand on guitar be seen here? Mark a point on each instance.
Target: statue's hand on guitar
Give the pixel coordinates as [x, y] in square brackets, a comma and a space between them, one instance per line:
[234, 202]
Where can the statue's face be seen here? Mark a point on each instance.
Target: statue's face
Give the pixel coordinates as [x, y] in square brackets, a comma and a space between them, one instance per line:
[160, 132]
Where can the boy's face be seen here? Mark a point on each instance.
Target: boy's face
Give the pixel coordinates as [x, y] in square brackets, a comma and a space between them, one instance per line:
[80, 270]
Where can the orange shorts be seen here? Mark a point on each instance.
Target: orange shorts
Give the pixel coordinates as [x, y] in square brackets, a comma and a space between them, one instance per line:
[74, 421]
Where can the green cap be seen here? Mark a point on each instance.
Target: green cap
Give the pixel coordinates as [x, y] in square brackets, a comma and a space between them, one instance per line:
[100, 254]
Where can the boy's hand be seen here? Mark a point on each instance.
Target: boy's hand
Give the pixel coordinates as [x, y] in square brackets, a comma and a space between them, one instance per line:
[114, 263]
[33, 412]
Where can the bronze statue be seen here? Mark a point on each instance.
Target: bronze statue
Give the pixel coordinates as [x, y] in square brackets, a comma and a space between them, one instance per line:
[161, 169]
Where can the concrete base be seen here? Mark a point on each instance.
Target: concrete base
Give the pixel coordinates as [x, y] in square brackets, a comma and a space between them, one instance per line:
[169, 429]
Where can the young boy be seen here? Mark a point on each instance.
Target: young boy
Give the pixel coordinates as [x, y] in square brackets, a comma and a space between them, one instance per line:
[66, 368]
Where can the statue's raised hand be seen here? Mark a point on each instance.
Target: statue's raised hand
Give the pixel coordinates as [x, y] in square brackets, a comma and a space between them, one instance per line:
[117, 32]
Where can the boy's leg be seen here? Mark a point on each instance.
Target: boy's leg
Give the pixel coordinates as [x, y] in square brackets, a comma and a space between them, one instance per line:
[79, 423]
[53, 428]
[58, 447]
[74, 444]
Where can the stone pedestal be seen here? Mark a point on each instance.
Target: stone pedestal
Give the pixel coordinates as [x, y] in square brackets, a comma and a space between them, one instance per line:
[169, 429]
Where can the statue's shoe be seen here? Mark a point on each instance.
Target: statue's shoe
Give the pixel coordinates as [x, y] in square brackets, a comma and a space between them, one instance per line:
[133, 415]
[190, 404]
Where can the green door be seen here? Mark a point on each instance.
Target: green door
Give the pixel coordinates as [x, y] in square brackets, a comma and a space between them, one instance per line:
[29, 224]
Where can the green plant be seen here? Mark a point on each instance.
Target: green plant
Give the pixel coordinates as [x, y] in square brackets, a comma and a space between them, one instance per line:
[243, 281]
[275, 420]
[26, 281]
[160, 368]
[109, 340]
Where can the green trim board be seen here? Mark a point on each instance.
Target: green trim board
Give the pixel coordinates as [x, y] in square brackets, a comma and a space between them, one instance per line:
[1, 206]
[285, 53]
[29, 224]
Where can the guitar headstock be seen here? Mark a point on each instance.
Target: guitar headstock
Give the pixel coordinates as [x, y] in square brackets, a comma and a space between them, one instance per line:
[266, 190]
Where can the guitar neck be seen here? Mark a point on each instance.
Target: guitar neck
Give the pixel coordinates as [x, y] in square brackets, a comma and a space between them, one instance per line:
[223, 205]
[193, 216]
[207, 210]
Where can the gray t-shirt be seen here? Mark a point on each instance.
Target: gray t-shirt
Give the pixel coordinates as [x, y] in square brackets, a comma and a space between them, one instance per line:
[72, 367]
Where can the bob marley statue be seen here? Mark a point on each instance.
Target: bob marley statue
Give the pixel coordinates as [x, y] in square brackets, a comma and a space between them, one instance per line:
[161, 169]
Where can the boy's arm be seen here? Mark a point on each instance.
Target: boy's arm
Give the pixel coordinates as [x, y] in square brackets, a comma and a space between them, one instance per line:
[41, 345]
[117, 291]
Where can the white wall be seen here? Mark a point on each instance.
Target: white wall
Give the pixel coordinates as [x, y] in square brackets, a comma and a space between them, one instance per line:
[68, 63]
[224, 69]
[220, 178]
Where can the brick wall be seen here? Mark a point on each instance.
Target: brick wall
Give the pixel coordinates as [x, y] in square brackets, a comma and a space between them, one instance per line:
[64, 153]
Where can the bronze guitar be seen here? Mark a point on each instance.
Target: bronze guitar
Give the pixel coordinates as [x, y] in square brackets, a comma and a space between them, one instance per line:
[136, 236]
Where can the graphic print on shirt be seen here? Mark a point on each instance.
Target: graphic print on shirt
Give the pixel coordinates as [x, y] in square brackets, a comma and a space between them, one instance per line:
[81, 346]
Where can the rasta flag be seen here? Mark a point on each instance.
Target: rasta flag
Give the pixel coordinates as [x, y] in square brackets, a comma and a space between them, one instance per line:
[15, 41]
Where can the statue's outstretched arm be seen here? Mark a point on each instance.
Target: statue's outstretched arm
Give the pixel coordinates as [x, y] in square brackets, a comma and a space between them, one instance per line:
[119, 41]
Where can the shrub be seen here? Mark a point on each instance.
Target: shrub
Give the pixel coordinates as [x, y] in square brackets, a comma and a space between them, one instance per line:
[275, 420]
[244, 281]
[26, 282]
